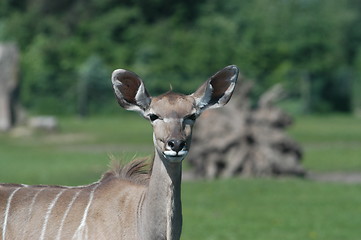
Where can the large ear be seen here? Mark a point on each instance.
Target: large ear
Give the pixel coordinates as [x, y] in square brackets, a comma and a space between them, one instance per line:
[217, 90]
[130, 91]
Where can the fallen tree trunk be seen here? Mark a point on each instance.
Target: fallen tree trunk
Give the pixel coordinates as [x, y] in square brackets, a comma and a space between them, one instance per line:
[240, 141]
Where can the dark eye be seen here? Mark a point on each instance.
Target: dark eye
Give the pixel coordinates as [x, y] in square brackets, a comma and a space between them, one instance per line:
[192, 117]
[153, 117]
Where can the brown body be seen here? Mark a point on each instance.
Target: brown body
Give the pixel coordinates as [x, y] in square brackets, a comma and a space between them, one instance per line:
[45, 212]
[127, 203]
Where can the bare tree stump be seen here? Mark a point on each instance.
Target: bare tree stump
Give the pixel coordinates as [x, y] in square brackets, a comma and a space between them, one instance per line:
[9, 58]
[240, 141]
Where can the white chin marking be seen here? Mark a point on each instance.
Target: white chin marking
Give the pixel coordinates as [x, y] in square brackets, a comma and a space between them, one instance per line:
[182, 153]
[170, 153]
[173, 156]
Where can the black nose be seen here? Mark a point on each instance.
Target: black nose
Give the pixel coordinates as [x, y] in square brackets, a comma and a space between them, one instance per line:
[176, 145]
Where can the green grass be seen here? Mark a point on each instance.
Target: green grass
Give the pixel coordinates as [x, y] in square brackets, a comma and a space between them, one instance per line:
[331, 143]
[253, 209]
[271, 209]
[77, 154]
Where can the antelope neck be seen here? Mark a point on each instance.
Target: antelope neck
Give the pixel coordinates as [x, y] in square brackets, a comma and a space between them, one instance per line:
[162, 211]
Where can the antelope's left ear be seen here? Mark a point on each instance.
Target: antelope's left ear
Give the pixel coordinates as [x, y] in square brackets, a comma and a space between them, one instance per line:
[130, 91]
[217, 90]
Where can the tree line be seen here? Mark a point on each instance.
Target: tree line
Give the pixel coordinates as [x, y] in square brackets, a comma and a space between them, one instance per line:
[70, 47]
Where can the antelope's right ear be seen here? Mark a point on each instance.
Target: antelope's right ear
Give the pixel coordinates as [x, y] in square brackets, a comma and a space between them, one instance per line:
[130, 91]
[217, 90]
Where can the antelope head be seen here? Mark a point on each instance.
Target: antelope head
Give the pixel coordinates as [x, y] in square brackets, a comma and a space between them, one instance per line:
[173, 115]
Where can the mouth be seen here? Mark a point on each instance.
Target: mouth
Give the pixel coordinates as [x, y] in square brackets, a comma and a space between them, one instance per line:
[173, 156]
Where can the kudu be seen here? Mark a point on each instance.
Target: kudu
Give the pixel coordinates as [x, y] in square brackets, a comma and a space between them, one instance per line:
[126, 203]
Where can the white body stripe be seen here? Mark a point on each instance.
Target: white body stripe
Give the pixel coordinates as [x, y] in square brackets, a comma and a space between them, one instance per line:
[30, 210]
[66, 214]
[33, 202]
[169, 216]
[82, 231]
[8, 204]
[48, 212]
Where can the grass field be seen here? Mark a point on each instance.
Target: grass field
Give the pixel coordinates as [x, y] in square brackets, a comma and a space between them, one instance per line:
[77, 154]
[220, 209]
[331, 143]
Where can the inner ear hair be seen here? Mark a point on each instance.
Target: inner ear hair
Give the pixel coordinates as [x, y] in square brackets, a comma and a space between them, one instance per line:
[130, 91]
[219, 85]
[218, 89]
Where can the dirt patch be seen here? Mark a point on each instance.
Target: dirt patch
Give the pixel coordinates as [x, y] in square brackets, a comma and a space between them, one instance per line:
[67, 138]
[110, 148]
[343, 177]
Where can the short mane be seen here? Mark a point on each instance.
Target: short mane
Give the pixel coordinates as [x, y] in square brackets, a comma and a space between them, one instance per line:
[137, 171]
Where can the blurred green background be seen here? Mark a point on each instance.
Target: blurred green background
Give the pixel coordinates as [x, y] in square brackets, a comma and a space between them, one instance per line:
[69, 48]
[313, 47]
